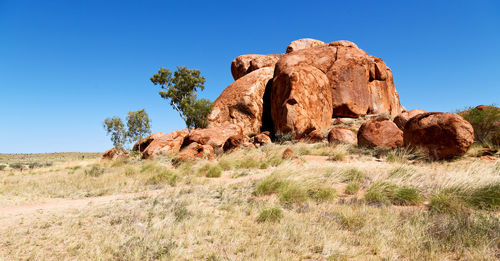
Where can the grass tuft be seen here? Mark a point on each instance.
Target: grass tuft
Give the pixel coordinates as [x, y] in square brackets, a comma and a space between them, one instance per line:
[273, 214]
[351, 188]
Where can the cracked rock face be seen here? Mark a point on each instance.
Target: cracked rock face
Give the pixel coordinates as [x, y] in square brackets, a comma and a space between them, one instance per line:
[442, 134]
[403, 117]
[241, 103]
[303, 44]
[338, 79]
[245, 64]
[164, 144]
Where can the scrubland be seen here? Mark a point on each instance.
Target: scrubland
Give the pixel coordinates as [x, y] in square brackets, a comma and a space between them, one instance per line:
[327, 203]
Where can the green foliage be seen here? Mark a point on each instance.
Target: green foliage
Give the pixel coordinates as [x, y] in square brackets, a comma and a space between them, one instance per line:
[138, 125]
[181, 212]
[406, 196]
[321, 193]
[114, 127]
[291, 193]
[180, 89]
[273, 214]
[17, 165]
[352, 175]
[383, 192]
[94, 171]
[164, 176]
[351, 188]
[486, 197]
[281, 137]
[210, 171]
[351, 220]
[269, 185]
[485, 122]
[2, 167]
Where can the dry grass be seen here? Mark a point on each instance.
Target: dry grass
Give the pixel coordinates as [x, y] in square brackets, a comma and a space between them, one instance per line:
[251, 205]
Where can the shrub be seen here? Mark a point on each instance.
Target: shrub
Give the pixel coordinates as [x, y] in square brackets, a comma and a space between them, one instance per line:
[291, 193]
[484, 197]
[485, 123]
[2, 167]
[380, 192]
[165, 176]
[446, 201]
[283, 137]
[321, 193]
[248, 162]
[210, 171]
[273, 214]
[16, 165]
[406, 196]
[354, 220]
[94, 171]
[225, 164]
[351, 189]
[352, 175]
[269, 185]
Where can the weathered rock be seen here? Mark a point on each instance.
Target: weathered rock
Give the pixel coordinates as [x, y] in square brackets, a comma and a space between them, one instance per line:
[380, 132]
[237, 141]
[245, 64]
[288, 154]
[342, 135]
[214, 136]
[403, 117]
[195, 150]
[313, 137]
[443, 135]
[303, 44]
[115, 153]
[261, 139]
[167, 143]
[144, 143]
[339, 79]
[241, 103]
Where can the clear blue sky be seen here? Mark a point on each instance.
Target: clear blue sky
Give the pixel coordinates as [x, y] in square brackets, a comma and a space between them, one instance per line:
[67, 65]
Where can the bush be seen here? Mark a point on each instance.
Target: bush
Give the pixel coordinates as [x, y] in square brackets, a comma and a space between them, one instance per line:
[352, 175]
[321, 193]
[406, 196]
[16, 165]
[94, 171]
[165, 176]
[291, 193]
[273, 214]
[383, 192]
[283, 137]
[2, 167]
[351, 189]
[485, 122]
[248, 162]
[269, 185]
[447, 201]
[210, 171]
[485, 197]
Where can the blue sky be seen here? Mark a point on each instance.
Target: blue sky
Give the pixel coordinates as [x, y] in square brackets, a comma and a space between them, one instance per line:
[67, 65]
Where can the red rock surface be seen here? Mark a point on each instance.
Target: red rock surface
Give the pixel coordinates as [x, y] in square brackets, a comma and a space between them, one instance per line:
[379, 132]
[241, 103]
[245, 64]
[214, 136]
[237, 141]
[261, 139]
[313, 136]
[442, 134]
[287, 154]
[167, 143]
[114, 153]
[144, 143]
[339, 79]
[303, 44]
[342, 135]
[403, 117]
[196, 151]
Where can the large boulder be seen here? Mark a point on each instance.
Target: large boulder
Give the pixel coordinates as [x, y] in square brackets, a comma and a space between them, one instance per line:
[261, 139]
[237, 141]
[144, 143]
[342, 135]
[245, 64]
[403, 117]
[303, 44]
[380, 132]
[213, 136]
[115, 153]
[338, 79]
[443, 135]
[167, 143]
[196, 151]
[241, 103]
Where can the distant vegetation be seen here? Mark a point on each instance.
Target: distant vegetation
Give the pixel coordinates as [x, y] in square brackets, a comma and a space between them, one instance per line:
[486, 124]
[181, 90]
[138, 127]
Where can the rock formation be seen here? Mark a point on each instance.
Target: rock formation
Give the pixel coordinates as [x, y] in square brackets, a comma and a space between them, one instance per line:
[114, 153]
[248, 63]
[144, 143]
[214, 136]
[380, 132]
[303, 44]
[342, 135]
[167, 143]
[403, 117]
[443, 135]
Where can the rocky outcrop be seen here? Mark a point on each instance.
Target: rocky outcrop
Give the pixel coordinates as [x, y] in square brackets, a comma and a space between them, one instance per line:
[167, 143]
[245, 64]
[342, 135]
[214, 136]
[261, 139]
[114, 153]
[287, 154]
[241, 103]
[313, 137]
[403, 117]
[338, 79]
[303, 44]
[196, 151]
[237, 141]
[380, 132]
[144, 143]
[443, 135]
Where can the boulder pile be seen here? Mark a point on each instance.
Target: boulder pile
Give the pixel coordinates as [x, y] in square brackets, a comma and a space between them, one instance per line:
[304, 92]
